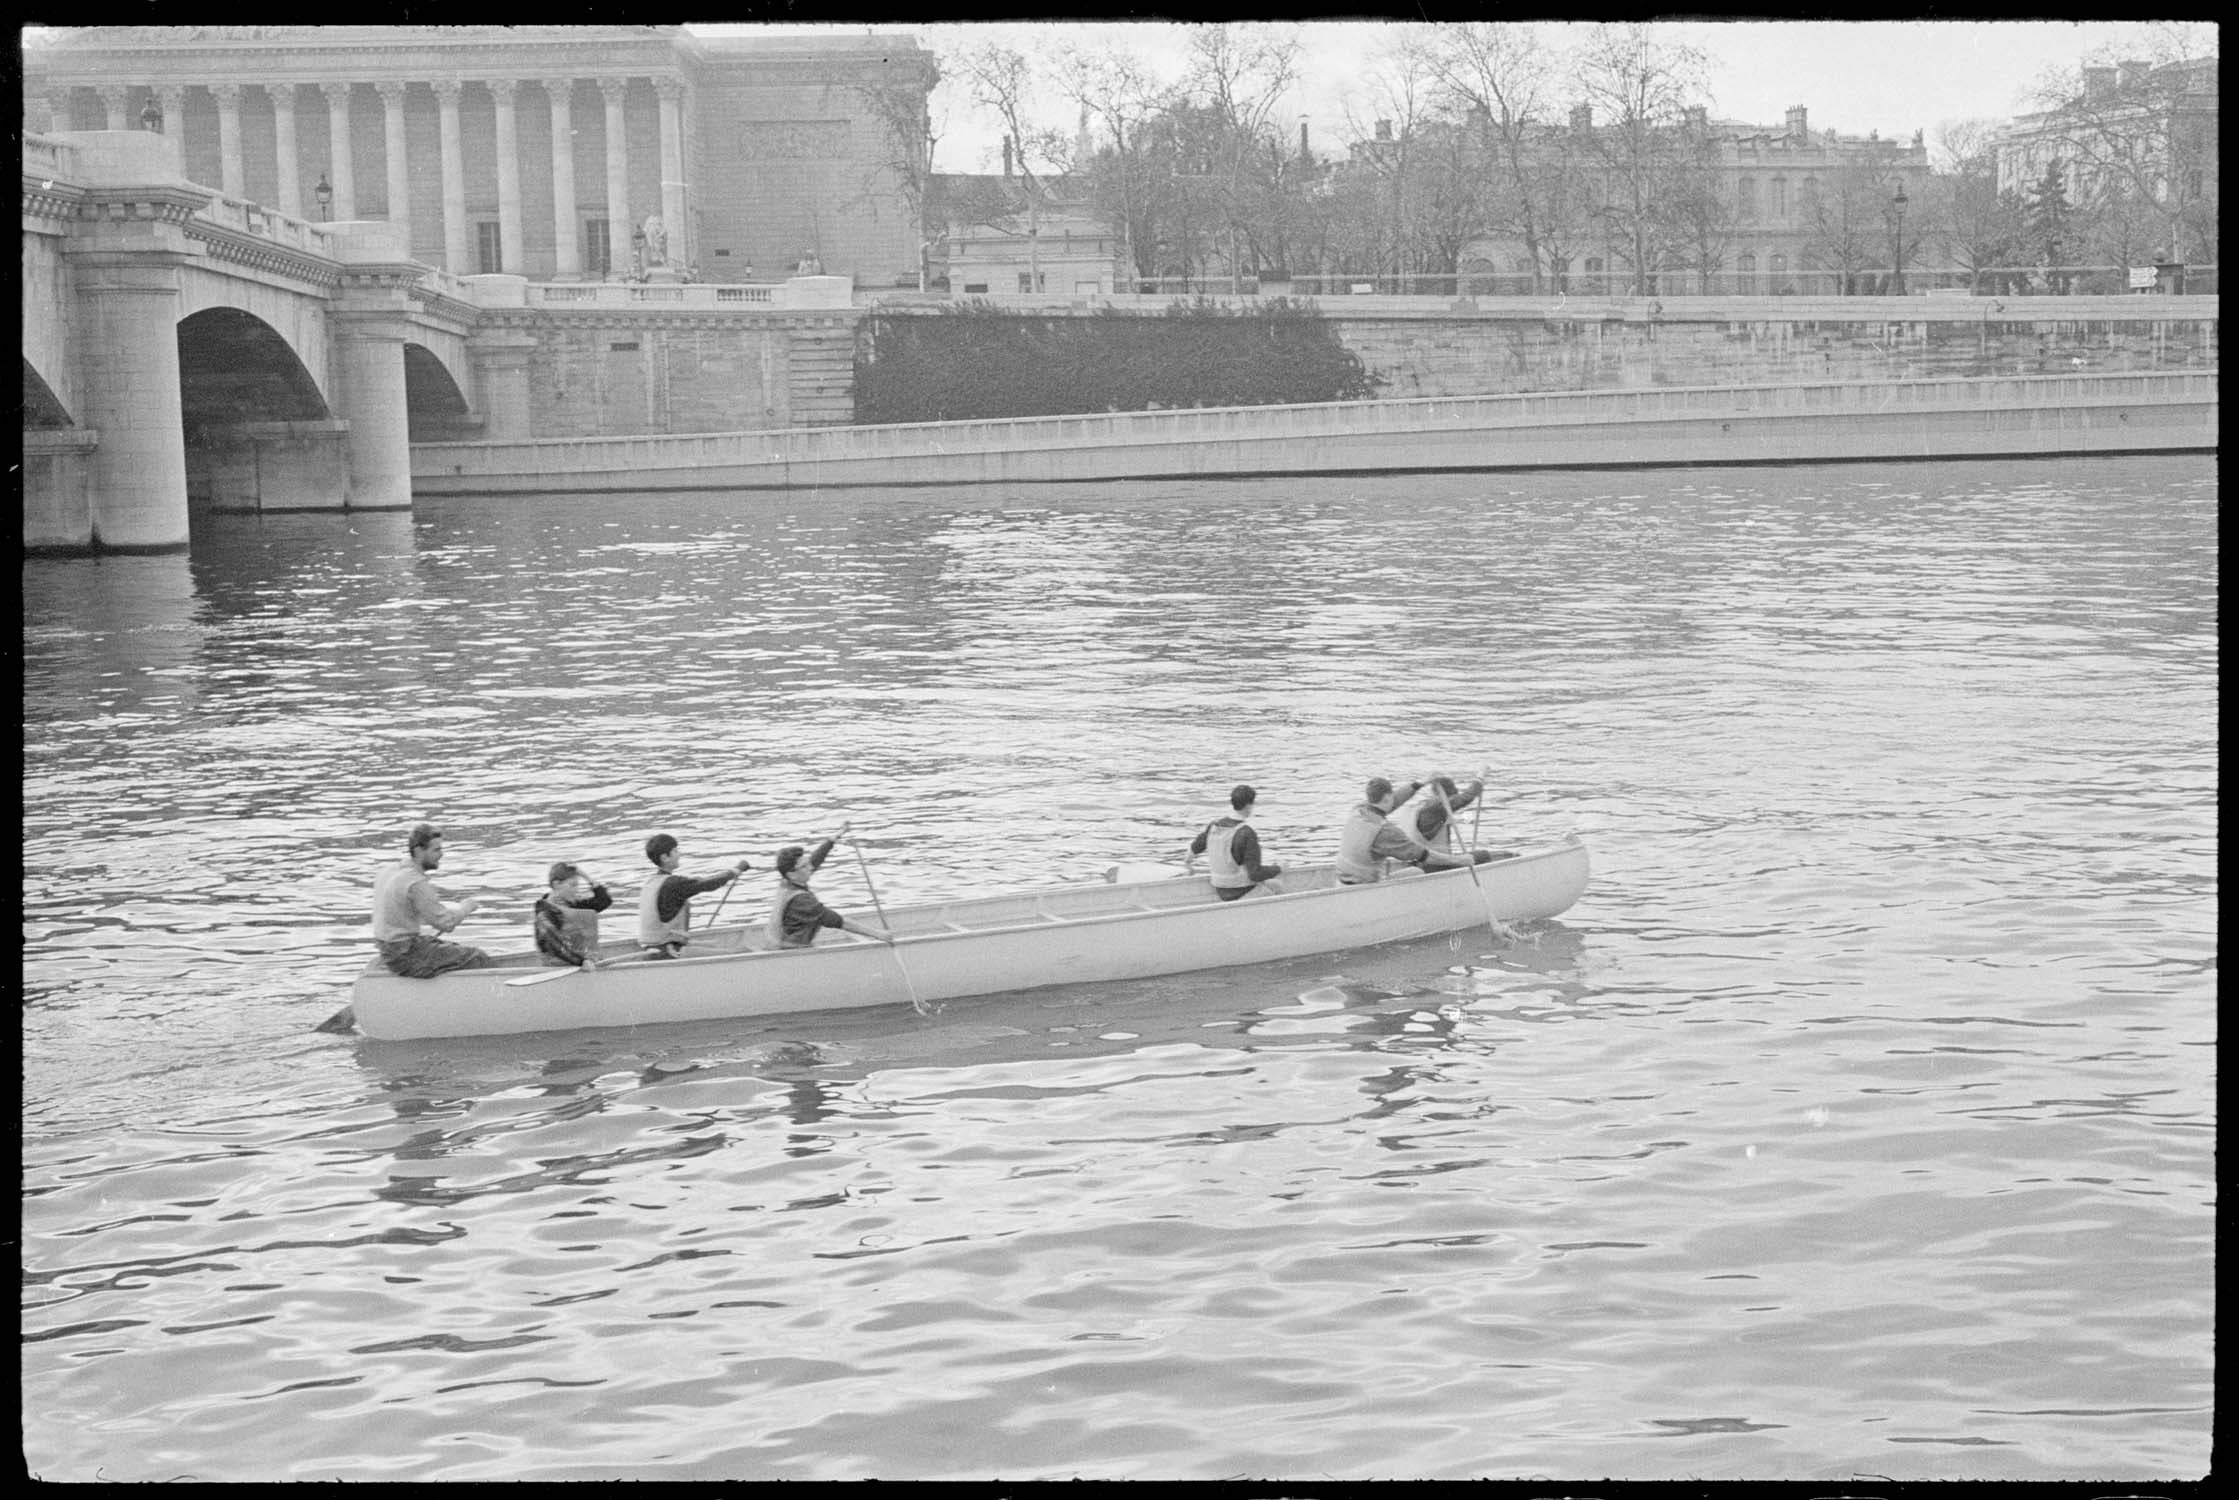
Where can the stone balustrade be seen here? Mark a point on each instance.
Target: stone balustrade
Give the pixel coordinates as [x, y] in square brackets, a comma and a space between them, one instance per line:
[794, 293]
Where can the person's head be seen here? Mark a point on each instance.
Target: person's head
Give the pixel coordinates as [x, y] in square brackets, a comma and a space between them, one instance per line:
[566, 879]
[425, 846]
[1242, 797]
[1446, 787]
[792, 864]
[1379, 792]
[661, 850]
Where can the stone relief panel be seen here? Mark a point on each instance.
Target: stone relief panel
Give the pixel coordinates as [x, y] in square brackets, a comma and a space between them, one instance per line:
[794, 140]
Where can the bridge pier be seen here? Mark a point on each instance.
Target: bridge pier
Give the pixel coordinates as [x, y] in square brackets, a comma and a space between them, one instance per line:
[138, 469]
[270, 466]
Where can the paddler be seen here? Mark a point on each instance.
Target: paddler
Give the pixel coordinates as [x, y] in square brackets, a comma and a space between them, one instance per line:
[1231, 849]
[405, 902]
[664, 909]
[797, 914]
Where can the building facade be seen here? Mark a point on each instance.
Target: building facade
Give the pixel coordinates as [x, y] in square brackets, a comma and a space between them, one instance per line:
[2135, 141]
[992, 245]
[1770, 210]
[553, 152]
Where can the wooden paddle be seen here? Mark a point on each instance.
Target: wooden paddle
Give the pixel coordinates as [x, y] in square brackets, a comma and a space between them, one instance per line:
[915, 1003]
[1501, 931]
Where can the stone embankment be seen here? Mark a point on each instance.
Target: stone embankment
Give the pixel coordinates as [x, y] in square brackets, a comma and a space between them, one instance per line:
[1733, 424]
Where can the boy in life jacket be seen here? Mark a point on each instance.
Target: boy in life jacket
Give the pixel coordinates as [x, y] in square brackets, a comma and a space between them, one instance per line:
[566, 917]
[1430, 832]
[1231, 849]
[797, 914]
[664, 908]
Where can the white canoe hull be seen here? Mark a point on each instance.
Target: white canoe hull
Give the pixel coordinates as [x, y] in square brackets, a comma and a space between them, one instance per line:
[1061, 935]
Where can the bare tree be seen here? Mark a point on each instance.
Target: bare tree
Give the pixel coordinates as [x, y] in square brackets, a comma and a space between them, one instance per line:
[1240, 72]
[1639, 86]
[2142, 139]
[1122, 95]
[898, 110]
[1497, 75]
[1978, 227]
[1000, 78]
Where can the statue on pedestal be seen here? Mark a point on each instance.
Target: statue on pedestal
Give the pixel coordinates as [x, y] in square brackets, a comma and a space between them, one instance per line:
[656, 241]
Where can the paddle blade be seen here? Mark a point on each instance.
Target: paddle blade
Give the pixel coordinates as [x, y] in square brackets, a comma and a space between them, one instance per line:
[542, 976]
[345, 1019]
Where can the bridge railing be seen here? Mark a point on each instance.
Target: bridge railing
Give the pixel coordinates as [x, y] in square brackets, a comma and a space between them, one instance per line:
[1285, 424]
[794, 293]
[260, 222]
[44, 156]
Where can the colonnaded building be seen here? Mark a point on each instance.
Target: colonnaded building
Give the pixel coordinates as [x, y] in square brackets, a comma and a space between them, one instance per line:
[553, 152]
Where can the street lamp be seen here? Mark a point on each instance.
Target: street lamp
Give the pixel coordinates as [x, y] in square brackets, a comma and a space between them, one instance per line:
[1898, 281]
[324, 192]
[151, 116]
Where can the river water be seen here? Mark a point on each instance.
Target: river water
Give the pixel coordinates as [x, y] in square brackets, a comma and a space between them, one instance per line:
[1859, 1121]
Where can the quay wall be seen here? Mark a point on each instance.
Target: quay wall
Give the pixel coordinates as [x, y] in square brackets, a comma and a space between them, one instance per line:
[712, 365]
[1826, 422]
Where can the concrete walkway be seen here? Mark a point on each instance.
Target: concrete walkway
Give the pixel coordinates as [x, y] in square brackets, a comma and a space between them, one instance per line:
[1832, 422]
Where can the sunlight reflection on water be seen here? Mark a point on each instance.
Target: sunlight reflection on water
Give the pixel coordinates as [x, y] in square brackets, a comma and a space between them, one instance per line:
[1859, 1121]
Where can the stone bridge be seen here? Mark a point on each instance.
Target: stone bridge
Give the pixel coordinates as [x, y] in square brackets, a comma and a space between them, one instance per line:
[182, 349]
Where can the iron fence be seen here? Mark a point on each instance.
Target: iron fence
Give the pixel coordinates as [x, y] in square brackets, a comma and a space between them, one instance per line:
[1988, 281]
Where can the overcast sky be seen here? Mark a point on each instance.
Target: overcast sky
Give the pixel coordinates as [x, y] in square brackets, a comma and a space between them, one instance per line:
[1894, 77]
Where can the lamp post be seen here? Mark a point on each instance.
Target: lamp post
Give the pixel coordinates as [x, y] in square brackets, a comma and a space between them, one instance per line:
[151, 116]
[324, 192]
[1897, 282]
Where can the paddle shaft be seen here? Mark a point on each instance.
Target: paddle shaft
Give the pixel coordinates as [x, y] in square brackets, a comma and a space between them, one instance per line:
[1491, 921]
[879, 907]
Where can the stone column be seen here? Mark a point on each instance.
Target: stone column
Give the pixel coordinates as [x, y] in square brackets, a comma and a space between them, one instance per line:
[393, 149]
[671, 91]
[617, 91]
[115, 96]
[458, 248]
[567, 263]
[283, 140]
[230, 176]
[369, 320]
[171, 98]
[509, 177]
[340, 177]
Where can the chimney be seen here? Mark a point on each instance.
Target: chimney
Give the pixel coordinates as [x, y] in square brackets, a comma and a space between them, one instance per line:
[1383, 130]
[1006, 156]
[1302, 139]
[2098, 82]
[1799, 124]
[1582, 117]
[1698, 116]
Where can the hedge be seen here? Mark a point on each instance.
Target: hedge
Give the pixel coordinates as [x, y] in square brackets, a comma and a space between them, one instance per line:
[980, 360]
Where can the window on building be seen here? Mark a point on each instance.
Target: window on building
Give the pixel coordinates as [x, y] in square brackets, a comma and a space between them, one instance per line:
[1811, 196]
[1780, 197]
[598, 246]
[1780, 274]
[489, 251]
[1748, 199]
[974, 286]
[1746, 265]
[1027, 282]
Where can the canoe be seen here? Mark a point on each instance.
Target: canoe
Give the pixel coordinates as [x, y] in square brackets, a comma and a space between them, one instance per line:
[990, 945]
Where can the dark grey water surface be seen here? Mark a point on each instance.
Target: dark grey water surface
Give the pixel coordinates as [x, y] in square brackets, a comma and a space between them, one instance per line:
[1858, 1122]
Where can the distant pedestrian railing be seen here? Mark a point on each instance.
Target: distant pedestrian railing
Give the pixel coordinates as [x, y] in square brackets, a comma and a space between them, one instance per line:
[1277, 426]
[797, 292]
[1884, 281]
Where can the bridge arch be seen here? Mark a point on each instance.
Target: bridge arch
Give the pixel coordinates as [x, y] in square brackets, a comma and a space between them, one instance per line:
[42, 409]
[259, 432]
[436, 408]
